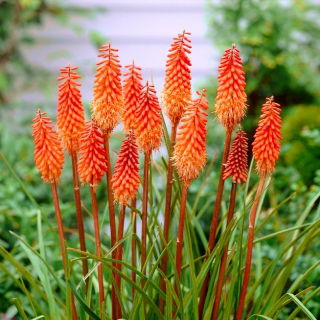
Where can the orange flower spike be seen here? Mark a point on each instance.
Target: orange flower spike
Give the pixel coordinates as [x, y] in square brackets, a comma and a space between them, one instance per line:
[266, 144]
[125, 180]
[237, 164]
[131, 91]
[48, 153]
[92, 155]
[177, 88]
[149, 121]
[107, 101]
[231, 98]
[70, 112]
[189, 155]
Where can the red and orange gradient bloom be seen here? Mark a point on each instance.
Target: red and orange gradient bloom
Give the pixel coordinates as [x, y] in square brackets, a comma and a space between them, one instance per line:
[237, 164]
[70, 112]
[107, 104]
[177, 87]
[125, 180]
[189, 155]
[48, 153]
[266, 144]
[148, 131]
[92, 156]
[132, 88]
[231, 98]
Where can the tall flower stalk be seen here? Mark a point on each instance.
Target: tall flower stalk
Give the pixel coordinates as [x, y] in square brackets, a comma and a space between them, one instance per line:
[176, 96]
[236, 168]
[107, 107]
[49, 159]
[148, 133]
[266, 149]
[133, 243]
[92, 166]
[70, 123]
[132, 88]
[230, 108]
[189, 157]
[125, 184]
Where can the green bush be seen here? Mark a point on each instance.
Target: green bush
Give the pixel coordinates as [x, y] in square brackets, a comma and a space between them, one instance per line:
[278, 42]
[301, 134]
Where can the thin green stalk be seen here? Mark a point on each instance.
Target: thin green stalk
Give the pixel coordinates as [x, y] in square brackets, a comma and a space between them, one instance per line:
[133, 242]
[79, 217]
[98, 245]
[120, 250]
[223, 262]
[167, 212]
[215, 218]
[145, 210]
[112, 217]
[252, 221]
[179, 244]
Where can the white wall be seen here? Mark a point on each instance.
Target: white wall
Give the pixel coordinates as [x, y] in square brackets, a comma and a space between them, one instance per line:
[142, 30]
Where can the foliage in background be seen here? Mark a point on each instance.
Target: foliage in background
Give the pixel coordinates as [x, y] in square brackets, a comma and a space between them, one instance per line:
[278, 42]
[17, 17]
[301, 133]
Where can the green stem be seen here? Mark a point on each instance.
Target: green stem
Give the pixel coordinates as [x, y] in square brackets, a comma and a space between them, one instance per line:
[98, 245]
[252, 220]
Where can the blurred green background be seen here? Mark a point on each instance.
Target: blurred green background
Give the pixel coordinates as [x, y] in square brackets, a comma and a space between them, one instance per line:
[280, 45]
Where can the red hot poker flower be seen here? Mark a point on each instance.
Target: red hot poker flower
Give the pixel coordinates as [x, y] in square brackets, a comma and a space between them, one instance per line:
[177, 87]
[125, 180]
[266, 144]
[48, 153]
[131, 91]
[237, 165]
[148, 131]
[231, 97]
[189, 155]
[92, 160]
[107, 101]
[70, 113]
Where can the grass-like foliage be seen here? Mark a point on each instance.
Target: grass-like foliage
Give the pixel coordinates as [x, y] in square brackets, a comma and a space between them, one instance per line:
[272, 289]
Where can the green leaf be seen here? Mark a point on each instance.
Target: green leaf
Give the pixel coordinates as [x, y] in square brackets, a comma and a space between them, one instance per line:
[253, 317]
[17, 303]
[83, 303]
[302, 307]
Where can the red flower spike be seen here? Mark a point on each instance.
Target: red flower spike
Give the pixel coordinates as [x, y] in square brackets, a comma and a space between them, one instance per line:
[149, 121]
[231, 98]
[237, 164]
[70, 112]
[107, 101]
[48, 153]
[125, 180]
[131, 91]
[266, 144]
[177, 88]
[92, 155]
[189, 155]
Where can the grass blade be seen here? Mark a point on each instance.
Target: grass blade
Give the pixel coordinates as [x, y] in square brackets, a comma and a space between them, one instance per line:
[302, 307]
[83, 304]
